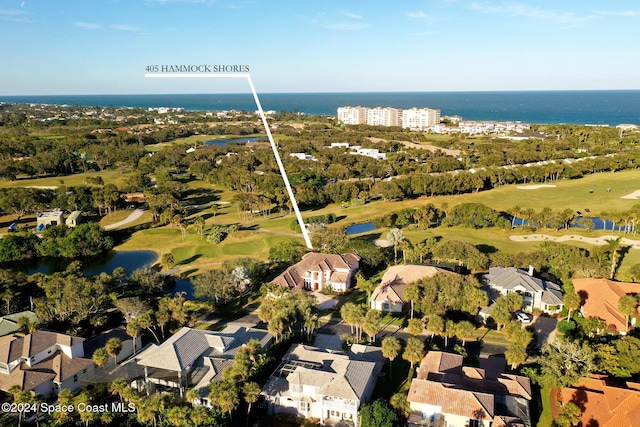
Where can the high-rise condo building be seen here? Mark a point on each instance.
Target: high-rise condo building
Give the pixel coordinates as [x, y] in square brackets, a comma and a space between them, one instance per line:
[352, 115]
[420, 118]
[384, 116]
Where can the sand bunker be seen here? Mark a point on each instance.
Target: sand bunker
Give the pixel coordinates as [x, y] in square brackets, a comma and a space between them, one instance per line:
[535, 187]
[633, 196]
[602, 240]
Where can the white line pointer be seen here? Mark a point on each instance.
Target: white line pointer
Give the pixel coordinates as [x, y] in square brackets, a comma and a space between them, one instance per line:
[266, 127]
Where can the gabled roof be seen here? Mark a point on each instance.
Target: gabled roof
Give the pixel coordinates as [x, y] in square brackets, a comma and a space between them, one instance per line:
[34, 343]
[187, 345]
[27, 380]
[62, 366]
[511, 278]
[178, 352]
[396, 279]
[600, 299]
[313, 261]
[9, 323]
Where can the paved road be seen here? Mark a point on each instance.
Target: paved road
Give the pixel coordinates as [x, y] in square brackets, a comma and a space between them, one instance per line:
[132, 217]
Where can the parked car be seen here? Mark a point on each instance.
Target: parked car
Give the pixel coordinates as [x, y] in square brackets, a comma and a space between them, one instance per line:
[523, 317]
[13, 227]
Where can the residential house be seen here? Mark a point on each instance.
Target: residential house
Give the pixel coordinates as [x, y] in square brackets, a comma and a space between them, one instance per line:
[325, 384]
[537, 293]
[445, 393]
[191, 358]
[600, 299]
[44, 362]
[389, 294]
[317, 270]
[604, 402]
[128, 345]
[9, 323]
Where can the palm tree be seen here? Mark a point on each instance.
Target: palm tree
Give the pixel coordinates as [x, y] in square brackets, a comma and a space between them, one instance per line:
[613, 248]
[390, 349]
[395, 237]
[251, 391]
[413, 351]
[100, 357]
[571, 300]
[113, 347]
[464, 330]
[627, 304]
[134, 329]
[412, 293]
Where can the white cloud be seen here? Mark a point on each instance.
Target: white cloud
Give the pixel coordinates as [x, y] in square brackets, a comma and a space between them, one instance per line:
[350, 14]
[532, 12]
[417, 15]
[14, 15]
[353, 22]
[87, 25]
[621, 13]
[125, 27]
[346, 26]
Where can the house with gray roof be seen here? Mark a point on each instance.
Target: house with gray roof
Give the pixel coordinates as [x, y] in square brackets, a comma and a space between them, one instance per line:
[325, 384]
[537, 293]
[9, 323]
[194, 357]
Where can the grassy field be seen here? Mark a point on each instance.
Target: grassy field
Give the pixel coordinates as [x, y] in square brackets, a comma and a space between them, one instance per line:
[260, 232]
[110, 177]
[600, 192]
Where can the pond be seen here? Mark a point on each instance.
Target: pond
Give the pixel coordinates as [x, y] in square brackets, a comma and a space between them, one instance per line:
[223, 142]
[129, 260]
[598, 223]
[361, 228]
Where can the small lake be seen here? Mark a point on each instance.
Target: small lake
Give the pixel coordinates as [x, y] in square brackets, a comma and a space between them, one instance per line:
[598, 223]
[223, 142]
[129, 260]
[361, 228]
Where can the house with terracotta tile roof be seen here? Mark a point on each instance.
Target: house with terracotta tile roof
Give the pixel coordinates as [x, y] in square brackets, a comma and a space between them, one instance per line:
[445, 393]
[389, 294]
[604, 402]
[44, 362]
[537, 293]
[326, 384]
[600, 299]
[317, 270]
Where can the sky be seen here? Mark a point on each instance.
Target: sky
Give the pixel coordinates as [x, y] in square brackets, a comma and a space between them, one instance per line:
[103, 46]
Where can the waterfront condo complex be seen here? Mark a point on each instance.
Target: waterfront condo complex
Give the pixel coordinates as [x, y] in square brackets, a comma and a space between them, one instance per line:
[413, 118]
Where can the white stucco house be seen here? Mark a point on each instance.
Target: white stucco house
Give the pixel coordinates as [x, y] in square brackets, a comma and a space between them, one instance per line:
[317, 270]
[325, 384]
[537, 293]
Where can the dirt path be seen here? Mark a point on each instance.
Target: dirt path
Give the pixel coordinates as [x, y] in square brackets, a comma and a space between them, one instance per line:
[132, 217]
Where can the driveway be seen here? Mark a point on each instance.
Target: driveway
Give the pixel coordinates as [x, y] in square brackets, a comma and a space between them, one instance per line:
[545, 329]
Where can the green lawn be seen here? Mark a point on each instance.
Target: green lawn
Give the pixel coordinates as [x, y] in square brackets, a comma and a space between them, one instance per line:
[110, 177]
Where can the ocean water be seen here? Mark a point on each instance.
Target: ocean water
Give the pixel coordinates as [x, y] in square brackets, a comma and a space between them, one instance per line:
[573, 107]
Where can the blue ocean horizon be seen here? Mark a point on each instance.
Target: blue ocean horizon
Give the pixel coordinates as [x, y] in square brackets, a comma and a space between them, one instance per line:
[597, 107]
